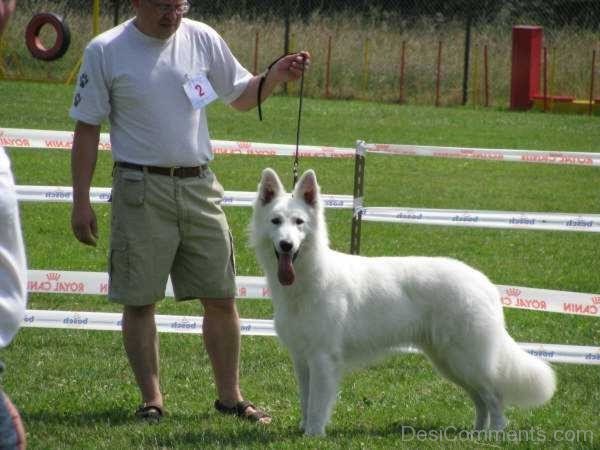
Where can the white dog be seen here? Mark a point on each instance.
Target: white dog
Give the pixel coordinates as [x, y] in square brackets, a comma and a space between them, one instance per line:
[335, 311]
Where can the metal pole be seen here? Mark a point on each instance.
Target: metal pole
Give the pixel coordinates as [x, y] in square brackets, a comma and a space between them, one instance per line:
[591, 105]
[465, 86]
[359, 184]
[328, 70]
[286, 37]
[545, 76]
[116, 11]
[402, 69]
[255, 69]
[438, 75]
[486, 75]
[96, 17]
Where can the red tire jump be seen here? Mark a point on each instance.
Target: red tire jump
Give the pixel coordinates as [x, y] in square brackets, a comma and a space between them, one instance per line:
[32, 36]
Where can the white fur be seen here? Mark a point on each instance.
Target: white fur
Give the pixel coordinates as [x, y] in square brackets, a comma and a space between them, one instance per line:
[343, 311]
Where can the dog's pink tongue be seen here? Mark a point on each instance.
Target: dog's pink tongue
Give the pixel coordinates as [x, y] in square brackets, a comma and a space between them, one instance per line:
[285, 271]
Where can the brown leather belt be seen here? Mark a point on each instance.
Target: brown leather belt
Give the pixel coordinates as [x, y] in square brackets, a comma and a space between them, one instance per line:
[180, 172]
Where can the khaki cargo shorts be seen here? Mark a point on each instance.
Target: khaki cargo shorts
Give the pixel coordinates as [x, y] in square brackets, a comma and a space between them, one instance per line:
[161, 226]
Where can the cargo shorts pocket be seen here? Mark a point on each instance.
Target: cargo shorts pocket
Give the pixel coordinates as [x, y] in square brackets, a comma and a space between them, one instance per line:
[118, 269]
[133, 187]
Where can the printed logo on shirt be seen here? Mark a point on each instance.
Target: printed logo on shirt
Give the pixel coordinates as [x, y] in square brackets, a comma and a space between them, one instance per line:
[77, 99]
[83, 80]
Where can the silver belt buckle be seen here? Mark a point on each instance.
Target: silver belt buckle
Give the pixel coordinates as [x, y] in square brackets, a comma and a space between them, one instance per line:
[172, 170]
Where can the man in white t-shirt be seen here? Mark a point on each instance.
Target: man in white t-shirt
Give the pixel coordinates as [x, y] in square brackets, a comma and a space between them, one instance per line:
[151, 77]
[13, 276]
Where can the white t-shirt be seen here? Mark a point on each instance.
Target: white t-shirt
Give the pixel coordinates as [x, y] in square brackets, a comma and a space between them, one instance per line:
[137, 82]
[13, 269]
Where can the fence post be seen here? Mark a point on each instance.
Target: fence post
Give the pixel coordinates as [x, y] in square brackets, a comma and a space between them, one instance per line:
[286, 38]
[116, 11]
[465, 85]
[359, 184]
[592, 79]
[96, 17]
[438, 75]
[402, 69]
[328, 70]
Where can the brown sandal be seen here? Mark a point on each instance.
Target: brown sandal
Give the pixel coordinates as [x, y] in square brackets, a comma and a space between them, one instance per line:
[150, 413]
[240, 410]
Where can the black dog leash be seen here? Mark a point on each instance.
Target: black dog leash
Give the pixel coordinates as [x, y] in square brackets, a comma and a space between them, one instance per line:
[301, 97]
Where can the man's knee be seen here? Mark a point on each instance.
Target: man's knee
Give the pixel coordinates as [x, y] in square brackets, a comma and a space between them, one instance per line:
[135, 312]
[221, 307]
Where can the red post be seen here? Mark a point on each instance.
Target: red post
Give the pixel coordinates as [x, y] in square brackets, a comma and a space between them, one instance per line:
[525, 71]
[438, 75]
[328, 70]
[591, 105]
[255, 71]
[402, 67]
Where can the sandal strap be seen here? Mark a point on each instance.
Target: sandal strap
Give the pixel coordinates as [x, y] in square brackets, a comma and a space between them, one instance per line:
[239, 410]
[148, 411]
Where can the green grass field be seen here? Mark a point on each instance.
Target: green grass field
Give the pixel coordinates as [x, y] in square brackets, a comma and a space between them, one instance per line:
[75, 389]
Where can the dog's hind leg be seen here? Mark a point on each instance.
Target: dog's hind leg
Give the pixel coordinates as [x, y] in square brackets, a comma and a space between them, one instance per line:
[482, 416]
[303, 379]
[495, 406]
[323, 384]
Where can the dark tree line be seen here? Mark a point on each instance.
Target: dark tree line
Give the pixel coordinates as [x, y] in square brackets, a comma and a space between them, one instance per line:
[581, 13]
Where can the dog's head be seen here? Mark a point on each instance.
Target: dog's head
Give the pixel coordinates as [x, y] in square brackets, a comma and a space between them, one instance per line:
[285, 226]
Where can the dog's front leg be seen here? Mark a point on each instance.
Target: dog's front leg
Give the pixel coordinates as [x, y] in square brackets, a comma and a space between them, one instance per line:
[302, 377]
[324, 377]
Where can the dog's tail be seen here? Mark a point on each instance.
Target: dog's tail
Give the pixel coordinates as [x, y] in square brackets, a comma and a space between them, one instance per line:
[523, 379]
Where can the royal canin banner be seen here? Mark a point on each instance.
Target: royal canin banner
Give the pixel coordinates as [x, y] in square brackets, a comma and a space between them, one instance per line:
[47, 139]
[567, 158]
[96, 283]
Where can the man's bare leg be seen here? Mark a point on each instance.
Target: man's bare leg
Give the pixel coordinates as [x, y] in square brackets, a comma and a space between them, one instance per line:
[221, 334]
[141, 345]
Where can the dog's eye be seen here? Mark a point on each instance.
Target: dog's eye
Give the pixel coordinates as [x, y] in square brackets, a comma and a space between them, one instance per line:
[276, 221]
[299, 221]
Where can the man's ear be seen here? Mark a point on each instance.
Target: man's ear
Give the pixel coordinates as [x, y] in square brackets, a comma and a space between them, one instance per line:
[270, 187]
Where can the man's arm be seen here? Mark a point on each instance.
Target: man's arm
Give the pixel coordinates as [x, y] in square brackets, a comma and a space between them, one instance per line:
[288, 68]
[83, 164]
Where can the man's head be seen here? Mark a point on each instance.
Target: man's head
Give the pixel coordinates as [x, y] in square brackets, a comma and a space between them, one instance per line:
[159, 18]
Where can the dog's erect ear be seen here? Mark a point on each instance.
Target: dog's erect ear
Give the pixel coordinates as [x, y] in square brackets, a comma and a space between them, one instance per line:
[270, 187]
[307, 188]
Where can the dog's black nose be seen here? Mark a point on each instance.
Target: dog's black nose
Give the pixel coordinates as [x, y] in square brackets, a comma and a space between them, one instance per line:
[285, 246]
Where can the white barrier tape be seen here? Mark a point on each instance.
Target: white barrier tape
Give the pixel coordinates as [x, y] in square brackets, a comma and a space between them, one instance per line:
[112, 322]
[96, 283]
[58, 194]
[485, 219]
[48, 139]
[102, 195]
[257, 327]
[530, 156]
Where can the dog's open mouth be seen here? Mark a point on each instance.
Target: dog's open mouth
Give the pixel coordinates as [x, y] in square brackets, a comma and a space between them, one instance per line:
[285, 267]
